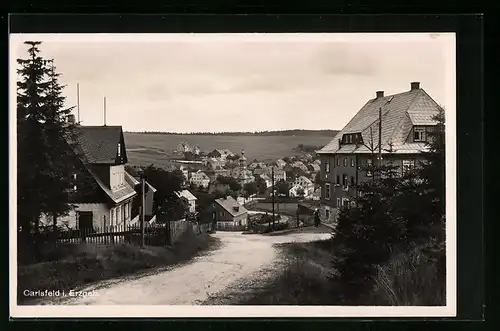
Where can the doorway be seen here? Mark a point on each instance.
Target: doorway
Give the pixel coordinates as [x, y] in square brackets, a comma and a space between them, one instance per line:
[85, 220]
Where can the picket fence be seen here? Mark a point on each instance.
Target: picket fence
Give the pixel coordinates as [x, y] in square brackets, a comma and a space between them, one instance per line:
[154, 234]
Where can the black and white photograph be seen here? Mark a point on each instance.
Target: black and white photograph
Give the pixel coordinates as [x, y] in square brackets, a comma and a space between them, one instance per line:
[233, 175]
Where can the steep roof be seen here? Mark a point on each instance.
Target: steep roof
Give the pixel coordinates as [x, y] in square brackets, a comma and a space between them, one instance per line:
[228, 203]
[399, 113]
[125, 192]
[305, 179]
[98, 144]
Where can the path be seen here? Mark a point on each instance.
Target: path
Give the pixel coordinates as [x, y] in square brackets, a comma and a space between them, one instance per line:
[239, 257]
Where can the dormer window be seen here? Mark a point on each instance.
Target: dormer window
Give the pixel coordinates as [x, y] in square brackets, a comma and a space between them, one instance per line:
[352, 138]
[418, 134]
[119, 149]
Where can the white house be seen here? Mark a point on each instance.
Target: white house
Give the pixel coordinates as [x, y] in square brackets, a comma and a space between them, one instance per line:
[305, 182]
[101, 195]
[199, 178]
[190, 198]
[280, 163]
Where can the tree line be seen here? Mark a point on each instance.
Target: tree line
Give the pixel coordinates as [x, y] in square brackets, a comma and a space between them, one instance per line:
[295, 132]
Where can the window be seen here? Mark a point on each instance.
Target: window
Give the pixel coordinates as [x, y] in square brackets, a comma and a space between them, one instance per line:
[119, 149]
[338, 161]
[345, 180]
[327, 166]
[74, 176]
[338, 203]
[345, 202]
[127, 206]
[221, 213]
[418, 134]
[352, 162]
[369, 164]
[327, 213]
[345, 162]
[353, 182]
[408, 165]
[74, 188]
[349, 139]
[338, 179]
[327, 191]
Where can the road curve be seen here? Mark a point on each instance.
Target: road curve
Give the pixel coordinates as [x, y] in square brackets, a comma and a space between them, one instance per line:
[239, 257]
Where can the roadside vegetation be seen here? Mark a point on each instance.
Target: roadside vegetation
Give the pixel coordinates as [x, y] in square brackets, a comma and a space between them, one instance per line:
[388, 248]
[75, 266]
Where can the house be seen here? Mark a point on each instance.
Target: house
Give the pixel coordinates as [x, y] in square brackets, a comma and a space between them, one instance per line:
[279, 174]
[199, 178]
[185, 171]
[267, 180]
[407, 118]
[148, 196]
[305, 183]
[259, 171]
[300, 165]
[216, 173]
[228, 213]
[215, 163]
[101, 195]
[281, 163]
[221, 154]
[257, 165]
[186, 194]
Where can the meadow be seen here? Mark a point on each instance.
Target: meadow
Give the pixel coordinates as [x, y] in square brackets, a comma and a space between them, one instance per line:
[145, 149]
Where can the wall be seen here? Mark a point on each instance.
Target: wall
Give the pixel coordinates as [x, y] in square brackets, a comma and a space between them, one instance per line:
[123, 211]
[99, 212]
[116, 176]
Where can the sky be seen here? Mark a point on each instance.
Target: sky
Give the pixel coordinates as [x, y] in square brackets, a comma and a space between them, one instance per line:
[193, 83]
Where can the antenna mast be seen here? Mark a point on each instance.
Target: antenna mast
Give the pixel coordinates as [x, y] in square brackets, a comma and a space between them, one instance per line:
[104, 111]
[78, 102]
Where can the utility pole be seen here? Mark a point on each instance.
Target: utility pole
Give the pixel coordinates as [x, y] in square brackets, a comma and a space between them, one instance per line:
[104, 111]
[78, 102]
[380, 136]
[274, 191]
[143, 211]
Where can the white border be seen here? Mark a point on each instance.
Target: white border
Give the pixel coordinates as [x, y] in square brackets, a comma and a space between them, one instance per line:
[249, 311]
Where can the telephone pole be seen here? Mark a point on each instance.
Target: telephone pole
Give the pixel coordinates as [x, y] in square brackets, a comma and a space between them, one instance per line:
[274, 191]
[143, 212]
[380, 136]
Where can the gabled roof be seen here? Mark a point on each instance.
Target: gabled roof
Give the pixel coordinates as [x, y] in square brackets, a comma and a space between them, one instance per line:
[399, 113]
[98, 144]
[305, 179]
[228, 203]
[125, 192]
[186, 194]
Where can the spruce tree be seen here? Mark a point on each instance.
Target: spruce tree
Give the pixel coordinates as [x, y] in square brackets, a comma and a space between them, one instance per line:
[44, 157]
[61, 134]
[32, 149]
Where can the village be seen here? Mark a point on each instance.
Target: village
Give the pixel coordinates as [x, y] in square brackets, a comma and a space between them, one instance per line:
[208, 222]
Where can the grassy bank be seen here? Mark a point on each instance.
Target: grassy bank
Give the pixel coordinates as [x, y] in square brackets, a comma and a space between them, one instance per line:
[413, 278]
[79, 265]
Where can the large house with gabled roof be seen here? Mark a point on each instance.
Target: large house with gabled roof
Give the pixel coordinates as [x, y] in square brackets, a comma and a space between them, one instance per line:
[102, 196]
[406, 120]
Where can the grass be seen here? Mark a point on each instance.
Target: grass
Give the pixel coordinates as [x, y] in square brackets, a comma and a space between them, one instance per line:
[303, 279]
[411, 280]
[408, 279]
[262, 147]
[85, 264]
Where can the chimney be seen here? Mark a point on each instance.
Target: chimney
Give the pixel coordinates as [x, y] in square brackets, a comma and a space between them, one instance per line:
[380, 94]
[71, 119]
[415, 85]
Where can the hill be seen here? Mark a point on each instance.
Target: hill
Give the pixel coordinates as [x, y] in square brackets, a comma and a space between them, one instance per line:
[295, 132]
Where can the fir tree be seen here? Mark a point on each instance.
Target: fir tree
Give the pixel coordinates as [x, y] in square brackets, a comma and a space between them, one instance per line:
[61, 134]
[32, 149]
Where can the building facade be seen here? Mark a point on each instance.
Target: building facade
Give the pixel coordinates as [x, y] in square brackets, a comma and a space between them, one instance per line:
[229, 213]
[405, 120]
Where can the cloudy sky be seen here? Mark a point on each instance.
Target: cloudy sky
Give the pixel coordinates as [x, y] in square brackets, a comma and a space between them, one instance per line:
[187, 83]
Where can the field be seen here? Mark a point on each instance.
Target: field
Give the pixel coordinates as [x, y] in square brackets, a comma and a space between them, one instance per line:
[144, 149]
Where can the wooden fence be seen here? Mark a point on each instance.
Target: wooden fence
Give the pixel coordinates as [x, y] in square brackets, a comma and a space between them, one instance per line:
[154, 234]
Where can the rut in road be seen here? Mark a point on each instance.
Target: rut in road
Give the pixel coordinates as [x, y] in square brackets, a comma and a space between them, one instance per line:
[239, 258]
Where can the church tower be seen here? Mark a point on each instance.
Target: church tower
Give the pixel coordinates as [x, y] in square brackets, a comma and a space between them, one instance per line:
[243, 168]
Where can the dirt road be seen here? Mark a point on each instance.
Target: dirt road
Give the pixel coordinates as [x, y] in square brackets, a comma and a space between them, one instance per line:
[239, 258]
